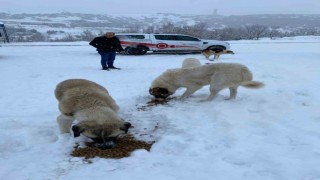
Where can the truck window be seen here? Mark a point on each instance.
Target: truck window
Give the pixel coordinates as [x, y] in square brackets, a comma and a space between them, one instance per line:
[130, 36]
[165, 37]
[187, 38]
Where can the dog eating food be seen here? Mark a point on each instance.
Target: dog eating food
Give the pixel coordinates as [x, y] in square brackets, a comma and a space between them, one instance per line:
[218, 76]
[124, 147]
[95, 110]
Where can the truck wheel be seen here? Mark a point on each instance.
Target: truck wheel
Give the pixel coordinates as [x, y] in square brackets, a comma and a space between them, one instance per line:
[140, 50]
[217, 48]
[129, 50]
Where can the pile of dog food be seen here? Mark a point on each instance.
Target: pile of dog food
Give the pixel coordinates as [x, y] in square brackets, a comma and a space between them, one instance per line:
[154, 102]
[125, 145]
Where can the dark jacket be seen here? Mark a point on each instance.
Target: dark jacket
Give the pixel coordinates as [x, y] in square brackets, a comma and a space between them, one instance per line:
[104, 44]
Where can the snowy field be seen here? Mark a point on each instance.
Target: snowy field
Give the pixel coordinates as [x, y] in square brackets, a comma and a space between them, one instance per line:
[266, 134]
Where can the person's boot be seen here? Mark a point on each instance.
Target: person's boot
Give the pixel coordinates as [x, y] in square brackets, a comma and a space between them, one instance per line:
[105, 68]
[113, 67]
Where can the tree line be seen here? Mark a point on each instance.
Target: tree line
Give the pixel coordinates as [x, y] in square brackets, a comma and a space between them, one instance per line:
[200, 30]
[249, 32]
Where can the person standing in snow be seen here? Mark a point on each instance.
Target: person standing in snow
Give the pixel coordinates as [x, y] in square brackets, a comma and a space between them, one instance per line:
[107, 46]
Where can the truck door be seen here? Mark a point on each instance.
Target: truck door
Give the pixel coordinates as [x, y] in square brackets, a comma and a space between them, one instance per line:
[189, 43]
[165, 42]
[169, 42]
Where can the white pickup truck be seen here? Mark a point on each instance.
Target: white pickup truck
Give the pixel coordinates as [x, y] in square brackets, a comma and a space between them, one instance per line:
[139, 44]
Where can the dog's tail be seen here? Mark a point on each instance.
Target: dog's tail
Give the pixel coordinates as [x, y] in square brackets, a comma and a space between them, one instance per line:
[229, 52]
[252, 84]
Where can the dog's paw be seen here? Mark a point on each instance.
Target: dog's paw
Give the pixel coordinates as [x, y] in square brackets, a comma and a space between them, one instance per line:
[203, 100]
[229, 98]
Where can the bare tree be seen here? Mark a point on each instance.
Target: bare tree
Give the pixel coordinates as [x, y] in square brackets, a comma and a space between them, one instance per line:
[168, 28]
[150, 29]
[255, 31]
[87, 35]
[133, 29]
[36, 37]
[273, 33]
[200, 29]
[68, 38]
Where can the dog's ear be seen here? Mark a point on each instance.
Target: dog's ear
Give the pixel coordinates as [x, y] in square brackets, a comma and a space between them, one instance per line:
[126, 127]
[77, 130]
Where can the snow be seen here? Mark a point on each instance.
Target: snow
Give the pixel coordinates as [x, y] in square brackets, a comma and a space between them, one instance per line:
[270, 133]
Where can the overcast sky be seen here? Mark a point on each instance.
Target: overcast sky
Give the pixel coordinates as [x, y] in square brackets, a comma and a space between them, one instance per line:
[223, 7]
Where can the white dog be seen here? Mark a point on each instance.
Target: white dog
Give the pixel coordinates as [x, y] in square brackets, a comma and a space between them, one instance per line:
[219, 76]
[95, 110]
[190, 63]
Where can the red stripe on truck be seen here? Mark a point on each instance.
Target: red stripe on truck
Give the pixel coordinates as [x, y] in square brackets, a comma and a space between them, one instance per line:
[128, 43]
[159, 45]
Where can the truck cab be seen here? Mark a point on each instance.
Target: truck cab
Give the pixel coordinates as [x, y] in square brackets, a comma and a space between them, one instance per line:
[139, 44]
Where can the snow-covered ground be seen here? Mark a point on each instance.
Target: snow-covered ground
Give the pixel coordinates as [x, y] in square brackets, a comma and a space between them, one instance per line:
[270, 133]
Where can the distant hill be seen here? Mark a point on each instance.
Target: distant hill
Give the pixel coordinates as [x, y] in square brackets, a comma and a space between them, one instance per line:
[58, 24]
[69, 20]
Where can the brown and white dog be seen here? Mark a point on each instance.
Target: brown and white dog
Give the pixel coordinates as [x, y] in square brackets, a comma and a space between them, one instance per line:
[94, 109]
[208, 52]
[218, 75]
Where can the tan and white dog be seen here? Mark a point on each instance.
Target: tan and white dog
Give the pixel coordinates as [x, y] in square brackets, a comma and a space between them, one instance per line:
[219, 76]
[94, 109]
[190, 63]
[208, 52]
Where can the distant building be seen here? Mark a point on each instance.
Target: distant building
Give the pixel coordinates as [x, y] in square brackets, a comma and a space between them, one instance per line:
[3, 33]
[215, 12]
